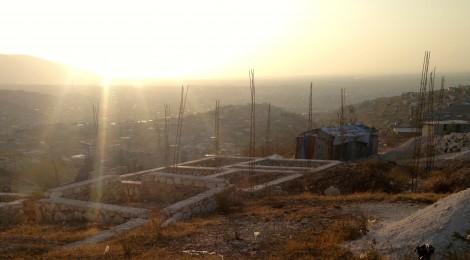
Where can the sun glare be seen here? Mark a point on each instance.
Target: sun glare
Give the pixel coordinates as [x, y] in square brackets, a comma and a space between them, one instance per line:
[167, 39]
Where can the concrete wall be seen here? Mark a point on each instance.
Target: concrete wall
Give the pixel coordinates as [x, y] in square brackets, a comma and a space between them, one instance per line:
[213, 162]
[291, 163]
[201, 204]
[190, 170]
[175, 187]
[11, 208]
[60, 210]
[107, 189]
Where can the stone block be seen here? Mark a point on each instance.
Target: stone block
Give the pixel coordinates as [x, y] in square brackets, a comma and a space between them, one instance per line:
[59, 217]
[196, 210]
[77, 215]
[177, 181]
[56, 194]
[211, 185]
[166, 212]
[187, 182]
[178, 216]
[169, 222]
[118, 219]
[90, 215]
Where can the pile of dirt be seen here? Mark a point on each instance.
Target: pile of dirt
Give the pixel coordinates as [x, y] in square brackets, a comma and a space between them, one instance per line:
[403, 151]
[445, 225]
[364, 176]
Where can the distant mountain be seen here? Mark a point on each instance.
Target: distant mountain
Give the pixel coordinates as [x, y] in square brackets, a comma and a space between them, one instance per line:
[23, 69]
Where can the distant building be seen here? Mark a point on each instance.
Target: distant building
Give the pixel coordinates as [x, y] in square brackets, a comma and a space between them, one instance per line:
[345, 143]
[406, 131]
[446, 127]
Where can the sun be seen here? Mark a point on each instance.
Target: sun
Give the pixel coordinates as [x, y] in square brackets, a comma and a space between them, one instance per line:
[141, 39]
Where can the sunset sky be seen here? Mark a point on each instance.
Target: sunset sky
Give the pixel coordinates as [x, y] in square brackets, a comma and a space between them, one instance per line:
[217, 39]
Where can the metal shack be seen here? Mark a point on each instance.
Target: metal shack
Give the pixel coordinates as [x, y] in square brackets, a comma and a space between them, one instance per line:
[347, 142]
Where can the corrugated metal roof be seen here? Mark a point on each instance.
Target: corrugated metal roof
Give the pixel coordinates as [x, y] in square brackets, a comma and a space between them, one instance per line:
[406, 130]
[348, 133]
[448, 122]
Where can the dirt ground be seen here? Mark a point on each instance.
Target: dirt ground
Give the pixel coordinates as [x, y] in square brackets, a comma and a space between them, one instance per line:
[295, 223]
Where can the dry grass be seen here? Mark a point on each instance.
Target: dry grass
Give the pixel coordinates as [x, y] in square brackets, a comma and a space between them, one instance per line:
[427, 198]
[148, 241]
[449, 179]
[326, 245]
[303, 225]
[31, 240]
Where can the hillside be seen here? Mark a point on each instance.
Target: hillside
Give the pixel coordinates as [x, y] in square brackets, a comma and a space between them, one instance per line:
[23, 69]
[397, 111]
[234, 127]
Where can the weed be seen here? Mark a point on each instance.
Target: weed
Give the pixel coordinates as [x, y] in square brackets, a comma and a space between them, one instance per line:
[462, 238]
[125, 245]
[157, 226]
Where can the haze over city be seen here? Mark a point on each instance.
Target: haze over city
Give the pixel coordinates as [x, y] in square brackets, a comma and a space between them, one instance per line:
[281, 129]
[223, 39]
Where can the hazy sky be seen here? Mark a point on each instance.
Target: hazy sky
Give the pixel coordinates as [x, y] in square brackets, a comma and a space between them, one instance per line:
[213, 39]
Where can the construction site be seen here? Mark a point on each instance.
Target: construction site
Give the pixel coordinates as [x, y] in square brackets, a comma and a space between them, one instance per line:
[336, 198]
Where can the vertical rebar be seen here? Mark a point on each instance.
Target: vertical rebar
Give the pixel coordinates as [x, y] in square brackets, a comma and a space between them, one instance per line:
[418, 121]
[438, 116]
[216, 136]
[310, 109]
[167, 135]
[431, 123]
[252, 127]
[268, 132]
[96, 142]
[176, 153]
[341, 126]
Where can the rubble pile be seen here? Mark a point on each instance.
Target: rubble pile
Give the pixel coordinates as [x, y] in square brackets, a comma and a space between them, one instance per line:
[453, 143]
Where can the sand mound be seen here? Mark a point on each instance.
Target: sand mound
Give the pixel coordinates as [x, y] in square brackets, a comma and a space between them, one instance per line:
[434, 224]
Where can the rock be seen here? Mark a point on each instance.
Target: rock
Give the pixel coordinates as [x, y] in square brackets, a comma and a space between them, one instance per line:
[178, 216]
[56, 194]
[59, 217]
[118, 219]
[169, 222]
[332, 191]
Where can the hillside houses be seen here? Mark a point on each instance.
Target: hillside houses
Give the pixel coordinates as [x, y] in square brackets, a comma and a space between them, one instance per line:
[445, 127]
